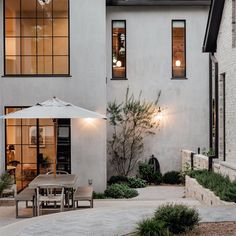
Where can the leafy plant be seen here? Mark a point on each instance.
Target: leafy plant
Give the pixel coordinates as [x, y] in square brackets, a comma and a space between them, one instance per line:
[208, 153]
[136, 182]
[178, 218]
[118, 179]
[5, 182]
[120, 191]
[172, 177]
[220, 185]
[131, 121]
[156, 178]
[146, 171]
[152, 227]
[98, 195]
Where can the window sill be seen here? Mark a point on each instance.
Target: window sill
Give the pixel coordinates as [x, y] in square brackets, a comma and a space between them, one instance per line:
[119, 79]
[36, 76]
[179, 78]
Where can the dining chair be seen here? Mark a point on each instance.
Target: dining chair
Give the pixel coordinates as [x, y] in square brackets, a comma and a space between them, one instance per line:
[50, 193]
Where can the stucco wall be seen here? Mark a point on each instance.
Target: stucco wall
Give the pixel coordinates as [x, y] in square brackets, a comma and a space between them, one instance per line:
[226, 56]
[185, 123]
[86, 88]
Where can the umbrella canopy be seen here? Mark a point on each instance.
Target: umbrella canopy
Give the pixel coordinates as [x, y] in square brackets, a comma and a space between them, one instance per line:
[53, 109]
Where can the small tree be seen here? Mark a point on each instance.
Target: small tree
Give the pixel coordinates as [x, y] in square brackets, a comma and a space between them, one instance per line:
[131, 121]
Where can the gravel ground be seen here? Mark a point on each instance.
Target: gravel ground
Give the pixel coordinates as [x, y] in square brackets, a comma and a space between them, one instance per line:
[210, 229]
[215, 229]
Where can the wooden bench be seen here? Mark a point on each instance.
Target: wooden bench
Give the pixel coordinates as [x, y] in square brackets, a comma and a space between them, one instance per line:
[83, 194]
[26, 195]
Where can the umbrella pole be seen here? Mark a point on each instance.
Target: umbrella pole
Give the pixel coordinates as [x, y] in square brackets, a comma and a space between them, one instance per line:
[55, 148]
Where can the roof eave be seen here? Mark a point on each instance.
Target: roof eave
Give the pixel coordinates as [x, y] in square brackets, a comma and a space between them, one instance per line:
[213, 26]
[158, 2]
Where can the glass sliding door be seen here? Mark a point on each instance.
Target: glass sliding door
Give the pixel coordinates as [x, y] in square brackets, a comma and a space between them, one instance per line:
[30, 147]
[21, 152]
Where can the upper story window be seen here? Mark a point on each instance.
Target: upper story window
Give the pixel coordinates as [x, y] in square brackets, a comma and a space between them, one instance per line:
[178, 49]
[233, 23]
[118, 49]
[36, 37]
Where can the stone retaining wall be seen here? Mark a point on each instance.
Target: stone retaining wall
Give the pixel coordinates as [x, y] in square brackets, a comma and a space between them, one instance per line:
[194, 190]
[7, 202]
[200, 162]
[226, 169]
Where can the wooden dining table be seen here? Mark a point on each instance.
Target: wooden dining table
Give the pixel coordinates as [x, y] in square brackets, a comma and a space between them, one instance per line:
[67, 181]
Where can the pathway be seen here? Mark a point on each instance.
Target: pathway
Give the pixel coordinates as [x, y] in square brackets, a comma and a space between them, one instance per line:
[112, 217]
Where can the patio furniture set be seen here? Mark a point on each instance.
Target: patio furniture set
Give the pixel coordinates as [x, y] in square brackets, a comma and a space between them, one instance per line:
[50, 192]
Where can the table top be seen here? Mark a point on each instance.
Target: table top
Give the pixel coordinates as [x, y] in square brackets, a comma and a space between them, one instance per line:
[68, 181]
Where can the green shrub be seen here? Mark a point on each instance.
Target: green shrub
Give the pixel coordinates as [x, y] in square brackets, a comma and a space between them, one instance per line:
[119, 179]
[178, 218]
[98, 195]
[120, 191]
[172, 177]
[146, 172]
[157, 178]
[152, 227]
[220, 185]
[136, 182]
[5, 182]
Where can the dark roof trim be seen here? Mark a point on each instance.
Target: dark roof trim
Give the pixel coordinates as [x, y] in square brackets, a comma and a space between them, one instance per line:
[158, 2]
[213, 26]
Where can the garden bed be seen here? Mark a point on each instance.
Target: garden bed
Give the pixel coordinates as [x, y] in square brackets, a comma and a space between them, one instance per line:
[194, 190]
[210, 229]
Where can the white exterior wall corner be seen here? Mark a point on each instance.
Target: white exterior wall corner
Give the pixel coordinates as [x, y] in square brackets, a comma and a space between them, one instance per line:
[86, 88]
[226, 56]
[186, 118]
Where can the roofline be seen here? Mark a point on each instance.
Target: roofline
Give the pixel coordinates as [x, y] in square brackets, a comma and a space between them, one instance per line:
[213, 26]
[158, 2]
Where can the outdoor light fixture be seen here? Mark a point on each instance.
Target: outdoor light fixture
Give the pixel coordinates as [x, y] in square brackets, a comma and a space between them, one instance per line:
[118, 64]
[159, 115]
[89, 120]
[178, 63]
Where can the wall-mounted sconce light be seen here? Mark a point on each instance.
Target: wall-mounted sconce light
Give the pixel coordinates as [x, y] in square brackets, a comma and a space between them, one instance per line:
[90, 181]
[178, 63]
[89, 120]
[159, 115]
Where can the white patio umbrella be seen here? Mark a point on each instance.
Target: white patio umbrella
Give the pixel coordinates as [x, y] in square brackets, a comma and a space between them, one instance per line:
[54, 109]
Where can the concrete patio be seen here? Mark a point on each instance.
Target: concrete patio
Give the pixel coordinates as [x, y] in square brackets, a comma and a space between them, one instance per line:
[109, 217]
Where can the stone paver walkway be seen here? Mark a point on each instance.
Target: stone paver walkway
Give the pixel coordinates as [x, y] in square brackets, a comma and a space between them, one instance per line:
[112, 217]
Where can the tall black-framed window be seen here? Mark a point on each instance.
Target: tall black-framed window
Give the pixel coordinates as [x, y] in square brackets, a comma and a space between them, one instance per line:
[36, 37]
[29, 147]
[119, 49]
[178, 49]
[214, 105]
[222, 123]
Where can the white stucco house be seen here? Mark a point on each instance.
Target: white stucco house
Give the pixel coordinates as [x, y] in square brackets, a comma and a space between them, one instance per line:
[220, 43]
[88, 53]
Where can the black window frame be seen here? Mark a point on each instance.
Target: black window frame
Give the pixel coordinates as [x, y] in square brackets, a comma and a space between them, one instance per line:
[35, 75]
[172, 50]
[115, 77]
[61, 123]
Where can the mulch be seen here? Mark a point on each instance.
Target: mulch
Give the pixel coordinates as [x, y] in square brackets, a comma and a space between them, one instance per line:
[210, 229]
